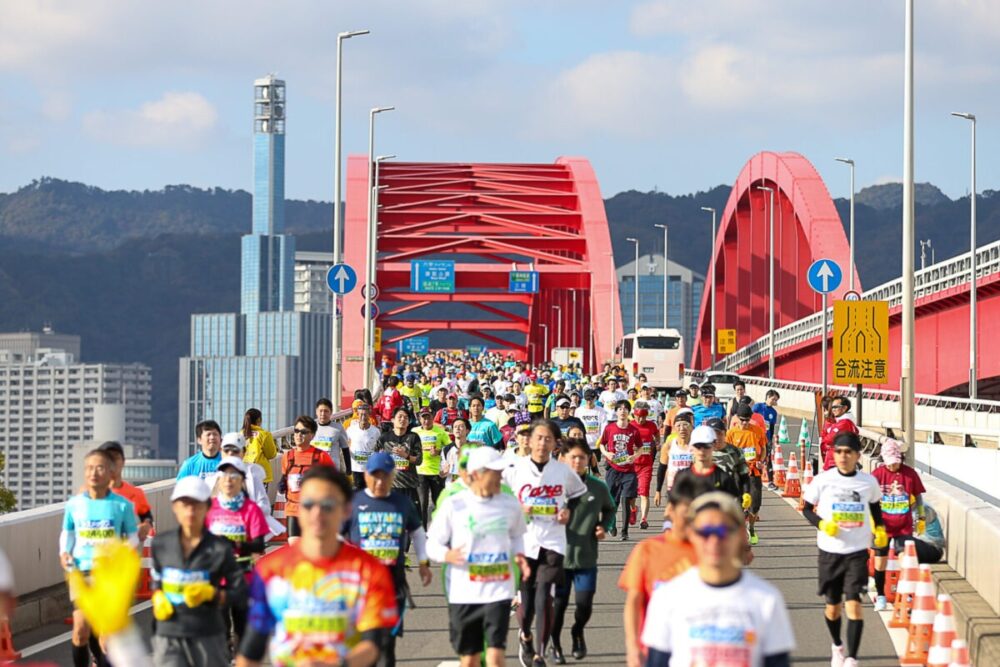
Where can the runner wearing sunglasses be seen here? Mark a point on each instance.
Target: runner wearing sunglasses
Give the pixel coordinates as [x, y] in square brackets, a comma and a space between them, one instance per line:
[294, 465]
[716, 613]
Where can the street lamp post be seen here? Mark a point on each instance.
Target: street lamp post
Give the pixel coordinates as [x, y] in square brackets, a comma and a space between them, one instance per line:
[908, 314]
[712, 266]
[666, 273]
[635, 309]
[770, 285]
[369, 269]
[575, 321]
[850, 163]
[611, 307]
[545, 342]
[558, 310]
[973, 269]
[337, 334]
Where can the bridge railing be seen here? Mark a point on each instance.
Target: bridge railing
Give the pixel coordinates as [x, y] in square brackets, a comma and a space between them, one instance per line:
[935, 278]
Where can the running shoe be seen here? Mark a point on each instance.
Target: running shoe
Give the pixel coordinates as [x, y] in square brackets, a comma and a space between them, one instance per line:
[850, 662]
[837, 656]
[772, 486]
[525, 650]
[539, 661]
[624, 537]
[881, 603]
[579, 647]
[614, 532]
[632, 513]
[643, 524]
[754, 539]
[557, 654]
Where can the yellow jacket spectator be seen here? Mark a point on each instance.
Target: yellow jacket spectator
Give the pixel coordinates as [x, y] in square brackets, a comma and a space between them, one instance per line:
[260, 447]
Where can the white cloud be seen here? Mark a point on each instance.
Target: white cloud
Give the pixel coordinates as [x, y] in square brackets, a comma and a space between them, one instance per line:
[57, 106]
[178, 119]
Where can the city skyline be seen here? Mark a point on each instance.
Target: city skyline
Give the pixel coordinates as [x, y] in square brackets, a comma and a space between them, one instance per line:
[641, 88]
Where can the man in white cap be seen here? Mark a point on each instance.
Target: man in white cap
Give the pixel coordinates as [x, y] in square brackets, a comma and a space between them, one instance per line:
[479, 532]
[902, 495]
[194, 573]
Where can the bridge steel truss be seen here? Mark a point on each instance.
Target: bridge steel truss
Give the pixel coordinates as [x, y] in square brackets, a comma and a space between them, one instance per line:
[807, 227]
[488, 218]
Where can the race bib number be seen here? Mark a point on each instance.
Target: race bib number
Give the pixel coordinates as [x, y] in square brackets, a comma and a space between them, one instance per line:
[681, 461]
[95, 531]
[322, 444]
[174, 581]
[895, 504]
[543, 508]
[621, 459]
[234, 531]
[749, 454]
[361, 458]
[487, 566]
[294, 482]
[402, 462]
[849, 515]
[645, 450]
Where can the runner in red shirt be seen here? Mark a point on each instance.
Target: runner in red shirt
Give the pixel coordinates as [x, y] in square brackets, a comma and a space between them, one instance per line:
[838, 420]
[389, 400]
[649, 436]
[618, 444]
[901, 494]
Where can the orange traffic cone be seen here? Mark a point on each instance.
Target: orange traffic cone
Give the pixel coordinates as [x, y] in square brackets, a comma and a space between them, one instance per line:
[7, 652]
[871, 562]
[891, 576]
[918, 641]
[906, 588]
[278, 512]
[959, 654]
[145, 590]
[944, 634]
[779, 467]
[793, 488]
[807, 478]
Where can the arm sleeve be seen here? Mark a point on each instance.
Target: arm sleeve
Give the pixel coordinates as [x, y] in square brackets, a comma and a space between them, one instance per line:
[809, 512]
[254, 644]
[236, 586]
[420, 543]
[876, 510]
[661, 474]
[254, 546]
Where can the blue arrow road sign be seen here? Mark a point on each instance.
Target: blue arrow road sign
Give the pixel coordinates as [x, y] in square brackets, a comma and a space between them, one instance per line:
[824, 276]
[341, 279]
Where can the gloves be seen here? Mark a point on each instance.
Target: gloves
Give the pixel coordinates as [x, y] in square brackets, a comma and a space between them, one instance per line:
[746, 501]
[197, 594]
[921, 526]
[881, 540]
[162, 609]
[829, 527]
[105, 602]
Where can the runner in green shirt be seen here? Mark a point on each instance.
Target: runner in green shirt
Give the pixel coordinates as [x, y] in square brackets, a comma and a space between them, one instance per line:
[433, 439]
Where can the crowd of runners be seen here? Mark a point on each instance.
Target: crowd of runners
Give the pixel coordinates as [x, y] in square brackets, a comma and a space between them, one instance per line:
[508, 477]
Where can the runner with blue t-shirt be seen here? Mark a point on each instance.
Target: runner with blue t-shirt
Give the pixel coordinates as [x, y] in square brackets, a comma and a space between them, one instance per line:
[484, 431]
[708, 407]
[91, 519]
[768, 412]
[382, 523]
[204, 464]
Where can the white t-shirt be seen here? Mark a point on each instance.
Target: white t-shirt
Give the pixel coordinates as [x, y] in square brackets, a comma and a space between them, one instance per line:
[545, 493]
[844, 499]
[678, 458]
[608, 399]
[594, 420]
[490, 531]
[728, 626]
[655, 408]
[501, 386]
[362, 443]
[330, 438]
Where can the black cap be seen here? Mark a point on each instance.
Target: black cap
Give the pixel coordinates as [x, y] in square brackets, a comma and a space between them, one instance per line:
[589, 395]
[112, 446]
[716, 423]
[848, 440]
[680, 392]
[744, 411]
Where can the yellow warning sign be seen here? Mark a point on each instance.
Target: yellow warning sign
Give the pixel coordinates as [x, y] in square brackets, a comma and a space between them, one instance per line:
[725, 341]
[378, 339]
[860, 342]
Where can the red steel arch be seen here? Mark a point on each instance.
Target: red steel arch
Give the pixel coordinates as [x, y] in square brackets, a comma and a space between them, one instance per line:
[486, 217]
[807, 227]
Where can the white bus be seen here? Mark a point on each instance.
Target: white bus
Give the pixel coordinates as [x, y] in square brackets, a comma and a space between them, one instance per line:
[656, 353]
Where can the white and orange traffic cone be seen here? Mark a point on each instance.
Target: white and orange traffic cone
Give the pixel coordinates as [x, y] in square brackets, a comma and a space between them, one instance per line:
[918, 640]
[807, 478]
[278, 512]
[779, 467]
[7, 652]
[793, 487]
[959, 654]
[145, 589]
[906, 588]
[943, 635]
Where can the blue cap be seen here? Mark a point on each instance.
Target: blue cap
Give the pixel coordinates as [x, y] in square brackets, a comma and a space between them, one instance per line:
[380, 462]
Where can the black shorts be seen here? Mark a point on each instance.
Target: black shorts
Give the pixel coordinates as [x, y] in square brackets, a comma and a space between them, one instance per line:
[294, 529]
[756, 488]
[842, 576]
[469, 624]
[623, 485]
[547, 569]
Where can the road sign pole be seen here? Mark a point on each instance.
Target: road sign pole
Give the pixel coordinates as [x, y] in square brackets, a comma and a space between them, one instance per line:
[823, 345]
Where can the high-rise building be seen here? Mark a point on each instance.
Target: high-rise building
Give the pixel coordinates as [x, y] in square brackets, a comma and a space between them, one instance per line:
[684, 290]
[270, 355]
[50, 403]
[312, 294]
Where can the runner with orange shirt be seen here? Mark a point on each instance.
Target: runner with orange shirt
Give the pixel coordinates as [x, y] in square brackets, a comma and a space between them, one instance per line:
[656, 560]
[131, 493]
[750, 439]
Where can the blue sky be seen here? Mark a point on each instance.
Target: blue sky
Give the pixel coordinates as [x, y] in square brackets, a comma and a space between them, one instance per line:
[658, 93]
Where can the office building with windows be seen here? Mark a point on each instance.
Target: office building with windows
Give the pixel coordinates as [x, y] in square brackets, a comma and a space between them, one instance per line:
[51, 402]
[270, 355]
[684, 291]
[312, 295]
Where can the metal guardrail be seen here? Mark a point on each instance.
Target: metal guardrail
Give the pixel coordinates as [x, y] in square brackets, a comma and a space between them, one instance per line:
[935, 278]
